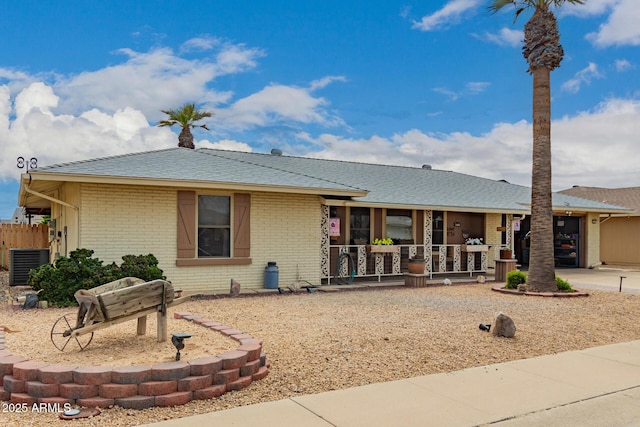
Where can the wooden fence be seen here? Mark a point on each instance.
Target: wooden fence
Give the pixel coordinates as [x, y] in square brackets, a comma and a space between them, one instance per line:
[21, 236]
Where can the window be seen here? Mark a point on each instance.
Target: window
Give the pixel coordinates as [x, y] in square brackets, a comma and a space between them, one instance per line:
[437, 228]
[399, 225]
[214, 226]
[359, 226]
[205, 236]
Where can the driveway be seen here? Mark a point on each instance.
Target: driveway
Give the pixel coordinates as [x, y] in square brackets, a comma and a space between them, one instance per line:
[601, 278]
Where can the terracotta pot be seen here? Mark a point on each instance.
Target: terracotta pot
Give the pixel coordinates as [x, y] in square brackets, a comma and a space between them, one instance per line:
[506, 254]
[416, 266]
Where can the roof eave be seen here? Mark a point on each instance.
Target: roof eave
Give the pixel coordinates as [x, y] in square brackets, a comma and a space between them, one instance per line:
[155, 182]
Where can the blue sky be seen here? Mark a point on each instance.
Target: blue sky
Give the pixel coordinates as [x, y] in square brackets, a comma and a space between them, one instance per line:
[396, 82]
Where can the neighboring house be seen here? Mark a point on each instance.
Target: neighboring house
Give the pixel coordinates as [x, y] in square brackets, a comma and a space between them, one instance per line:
[212, 215]
[22, 216]
[619, 233]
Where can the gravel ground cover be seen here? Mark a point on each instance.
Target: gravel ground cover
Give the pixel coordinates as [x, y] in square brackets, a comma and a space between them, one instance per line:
[327, 341]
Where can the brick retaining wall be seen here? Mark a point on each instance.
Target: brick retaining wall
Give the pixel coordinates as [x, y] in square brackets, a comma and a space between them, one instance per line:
[139, 386]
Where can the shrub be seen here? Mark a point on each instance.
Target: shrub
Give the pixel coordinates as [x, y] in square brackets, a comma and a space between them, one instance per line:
[144, 267]
[563, 285]
[59, 282]
[515, 278]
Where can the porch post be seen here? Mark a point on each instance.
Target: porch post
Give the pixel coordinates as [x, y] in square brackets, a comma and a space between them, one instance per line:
[427, 239]
[325, 241]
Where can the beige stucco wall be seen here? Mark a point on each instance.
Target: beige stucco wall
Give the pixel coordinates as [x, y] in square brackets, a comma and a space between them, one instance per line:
[592, 240]
[120, 220]
[65, 216]
[494, 237]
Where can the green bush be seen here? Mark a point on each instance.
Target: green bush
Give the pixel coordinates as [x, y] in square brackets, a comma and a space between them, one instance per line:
[144, 267]
[515, 278]
[59, 282]
[563, 285]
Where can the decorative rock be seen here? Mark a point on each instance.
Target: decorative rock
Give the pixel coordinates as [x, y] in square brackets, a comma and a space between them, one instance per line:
[446, 282]
[235, 288]
[294, 287]
[481, 279]
[504, 326]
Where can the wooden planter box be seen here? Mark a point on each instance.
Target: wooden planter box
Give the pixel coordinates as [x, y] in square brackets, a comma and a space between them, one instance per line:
[383, 249]
[475, 248]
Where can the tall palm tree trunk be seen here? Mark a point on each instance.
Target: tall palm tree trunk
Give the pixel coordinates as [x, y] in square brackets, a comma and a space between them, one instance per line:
[541, 262]
[185, 139]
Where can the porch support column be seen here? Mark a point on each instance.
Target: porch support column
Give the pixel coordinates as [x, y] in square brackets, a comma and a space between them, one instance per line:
[324, 242]
[509, 232]
[427, 239]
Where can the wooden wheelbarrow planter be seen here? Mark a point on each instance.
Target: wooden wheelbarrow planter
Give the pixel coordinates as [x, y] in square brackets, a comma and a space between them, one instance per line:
[112, 303]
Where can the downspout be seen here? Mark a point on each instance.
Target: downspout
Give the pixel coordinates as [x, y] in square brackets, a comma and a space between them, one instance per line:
[60, 202]
[51, 199]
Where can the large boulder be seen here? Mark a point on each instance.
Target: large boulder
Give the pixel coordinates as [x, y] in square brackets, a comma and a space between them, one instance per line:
[503, 326]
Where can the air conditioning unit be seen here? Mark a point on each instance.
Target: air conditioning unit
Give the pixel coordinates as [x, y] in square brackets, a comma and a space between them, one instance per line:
[23, 260]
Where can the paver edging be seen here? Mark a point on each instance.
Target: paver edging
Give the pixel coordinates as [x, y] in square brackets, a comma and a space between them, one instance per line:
[247, 358]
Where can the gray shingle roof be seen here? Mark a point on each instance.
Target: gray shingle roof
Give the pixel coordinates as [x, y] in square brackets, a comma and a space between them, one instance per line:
[629, 196]
[386, 185]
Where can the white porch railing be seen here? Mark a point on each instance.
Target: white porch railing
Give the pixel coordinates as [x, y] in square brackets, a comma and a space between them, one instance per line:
[393, 261]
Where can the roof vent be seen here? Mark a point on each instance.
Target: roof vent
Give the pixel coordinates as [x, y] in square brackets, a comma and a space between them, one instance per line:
[427, 167]
[276, 152]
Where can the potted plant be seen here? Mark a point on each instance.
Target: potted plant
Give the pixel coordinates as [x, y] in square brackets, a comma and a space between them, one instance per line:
[506, 253]
[417, 265]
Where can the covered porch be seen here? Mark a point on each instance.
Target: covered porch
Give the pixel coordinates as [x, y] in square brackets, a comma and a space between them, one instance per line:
[351, 237]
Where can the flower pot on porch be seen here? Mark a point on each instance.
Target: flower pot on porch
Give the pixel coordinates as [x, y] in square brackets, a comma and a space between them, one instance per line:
[383, 249]
[475, 248]
[416, 265]
[506, 254]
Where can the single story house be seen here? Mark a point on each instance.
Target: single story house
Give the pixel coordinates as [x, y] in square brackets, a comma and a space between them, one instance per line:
[213, 215]
[619, 232]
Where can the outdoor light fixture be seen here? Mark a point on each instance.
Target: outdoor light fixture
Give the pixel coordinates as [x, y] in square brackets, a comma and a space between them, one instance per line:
[178, 342]
[594, 221]
[484, 327]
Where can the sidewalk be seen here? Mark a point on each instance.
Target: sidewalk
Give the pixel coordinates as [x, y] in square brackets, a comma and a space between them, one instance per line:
[594, 387]
[599, 386]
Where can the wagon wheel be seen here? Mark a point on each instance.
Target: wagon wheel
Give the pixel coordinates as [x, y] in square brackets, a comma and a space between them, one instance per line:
[61, 334]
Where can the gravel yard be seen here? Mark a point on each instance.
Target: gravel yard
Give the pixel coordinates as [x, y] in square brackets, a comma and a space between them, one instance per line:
[326, 341]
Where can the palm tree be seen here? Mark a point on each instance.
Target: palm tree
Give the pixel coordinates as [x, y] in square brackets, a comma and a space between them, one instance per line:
[543, 52]
[185, 117]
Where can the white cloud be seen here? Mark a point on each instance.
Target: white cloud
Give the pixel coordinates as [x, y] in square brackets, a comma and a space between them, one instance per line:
[471, 88]
[199, 44]
[602, 141]
[588, 8]
[108, 111]
[621, 27]
[622, 65]
[325, 81]
[151, 81]
[36, 131]
[450, 13]
[225, 144]
[583, 76]
[475, 88]
[506, 37]
[235, 59]
[276, 103]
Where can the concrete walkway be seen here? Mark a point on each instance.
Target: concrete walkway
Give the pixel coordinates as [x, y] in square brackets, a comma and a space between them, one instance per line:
[599, 386]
